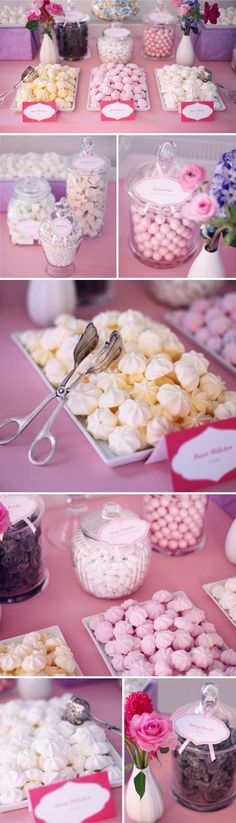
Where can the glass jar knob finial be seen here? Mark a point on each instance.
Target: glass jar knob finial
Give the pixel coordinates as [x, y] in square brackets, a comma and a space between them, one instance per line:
[209, 696]
[62, 208]
[166, 156]
[87, 145]
[111, 510]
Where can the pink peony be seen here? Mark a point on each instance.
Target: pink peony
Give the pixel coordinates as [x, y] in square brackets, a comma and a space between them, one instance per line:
[192, 176]
[5, 522]
[152, 731]
[183, 10]
[54, 8]
[201, 208]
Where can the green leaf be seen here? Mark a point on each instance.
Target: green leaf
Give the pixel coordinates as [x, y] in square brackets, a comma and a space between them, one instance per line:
[164, 749]
[129, 766]
[140, 783]
[230, 237]
[32, 25]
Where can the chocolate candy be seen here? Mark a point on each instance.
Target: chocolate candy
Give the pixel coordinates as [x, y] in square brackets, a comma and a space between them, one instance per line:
[201, 783]
[72, 40]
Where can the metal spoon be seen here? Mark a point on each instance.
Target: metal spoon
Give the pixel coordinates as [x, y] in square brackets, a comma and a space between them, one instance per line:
[27, 76]
[77, 711]
[206, 76]
[85, 345]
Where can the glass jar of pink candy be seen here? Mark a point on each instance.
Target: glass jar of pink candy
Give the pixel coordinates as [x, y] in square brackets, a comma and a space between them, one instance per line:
[177, 522]
[162, 235]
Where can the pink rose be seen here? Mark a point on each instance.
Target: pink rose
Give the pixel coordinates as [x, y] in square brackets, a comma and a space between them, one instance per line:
[183, 10]
[192, 176]
[152, 731]
[201, 208]
[54, 8]
[34, 15]
[5, 522]
[176, 3]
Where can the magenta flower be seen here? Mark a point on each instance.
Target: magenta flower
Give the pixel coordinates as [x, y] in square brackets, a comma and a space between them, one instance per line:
[5, 522]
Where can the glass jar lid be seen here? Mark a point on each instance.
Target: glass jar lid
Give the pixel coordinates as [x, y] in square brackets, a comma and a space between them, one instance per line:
[116, 32]
[20, 508]
[113, 524]
[62, 225]
[160, 16]
[32, 188]
[87, 160]
[207, 723]
[157, 184]
[72, 14]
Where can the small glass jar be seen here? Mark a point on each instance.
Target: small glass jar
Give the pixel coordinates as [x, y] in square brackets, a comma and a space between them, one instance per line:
[60, 236]
[159, 34]
[204, 775]
[115, 9]
[180, 293]
[105, 566]
[177, 522]
[30, 203]
[87, 181]
[161, 235]
[115, 45]
[233, 64]
[72, 35]
[22, 569]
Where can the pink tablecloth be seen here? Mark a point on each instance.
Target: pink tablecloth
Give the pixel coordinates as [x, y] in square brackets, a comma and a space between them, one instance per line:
[75, 466]
[96, 258]
[64, 603]
[130, 266]
[155, 120]
[105, 700]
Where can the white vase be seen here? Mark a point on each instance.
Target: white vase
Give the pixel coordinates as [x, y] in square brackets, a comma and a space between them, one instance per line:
[185, 51]
[208, 265]
[48, 51]
[230, 543]
[150, 808]
[47, 299]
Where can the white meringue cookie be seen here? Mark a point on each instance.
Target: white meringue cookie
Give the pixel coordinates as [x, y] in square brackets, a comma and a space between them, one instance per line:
[156, 428]
[53, 338]
[132, 363]
[78, 762]
[175, 400]
[26, 759]
[34, 774]
[151, 342]
[97, 762]
[187, 374]
[134, 413]
[158, 367]
[110, 380]
[34, 663]
[225, 410]
[112, 398]
[55, 763]
[125, 440]
[84, 399]
[9, 662]
[101, 423]
[196, 359]
[212, 385]
[55, 372]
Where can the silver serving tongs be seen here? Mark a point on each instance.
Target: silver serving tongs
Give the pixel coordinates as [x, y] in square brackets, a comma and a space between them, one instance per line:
[27, 76]
[77, 711]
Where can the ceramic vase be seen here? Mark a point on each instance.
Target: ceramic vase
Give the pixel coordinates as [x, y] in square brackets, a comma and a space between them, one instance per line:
[48, 51]
[150, 808]
[47, 299]
[230, 543]
[208, 265]
[185, 52]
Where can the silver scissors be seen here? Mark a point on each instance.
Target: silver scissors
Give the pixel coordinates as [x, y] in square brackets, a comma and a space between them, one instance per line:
[87, 342]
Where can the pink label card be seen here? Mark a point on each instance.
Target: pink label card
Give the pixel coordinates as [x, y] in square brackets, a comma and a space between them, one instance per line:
[38, 112]
[202, 456]
[73, 801]
[117, 110]
[197, 110]
[123, 531]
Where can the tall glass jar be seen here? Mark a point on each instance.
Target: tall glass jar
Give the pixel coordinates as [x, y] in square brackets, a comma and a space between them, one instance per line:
[179, 293]
[115, 45]
[159, 33]
[29, 204]
[177, 522]
[115, 9]
[111, 552]
[161, 235]
[204, 766]
[72, 34]
[87, 187]
[22, 569]
[60, 235]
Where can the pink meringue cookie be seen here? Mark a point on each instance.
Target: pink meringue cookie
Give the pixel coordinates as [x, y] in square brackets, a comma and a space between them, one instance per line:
[103, 631]
[208, 627]
[145, 629]
[231, 671]
[196, 630]
[148, 644]
[205, 640]
[182, 640]
[114, 614]
[195, 672]
[136, 615]
[93, 622]
[127, 604]
[171, 612]
[137, 643]
[183, 623]
[161, 655]
[182, 604]
[162, 669]
[201, 658]
[132, 658]
[154, 609]
[162, 596]
[124, 644]
[228, 657]
[163, 622]
[122, 628]
[142, 669]
[110, 648]
[217, 639]
[118, 663]
[181, 660]
[195, 615]
[164, 639]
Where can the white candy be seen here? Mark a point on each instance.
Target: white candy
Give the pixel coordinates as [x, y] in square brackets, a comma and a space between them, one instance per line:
[50, 165]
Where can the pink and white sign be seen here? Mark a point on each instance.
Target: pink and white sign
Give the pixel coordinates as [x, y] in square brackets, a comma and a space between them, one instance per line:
[73, 801]
[197, 110]
[117, 110]
[201, 730]
[38, 112]
[123, 532]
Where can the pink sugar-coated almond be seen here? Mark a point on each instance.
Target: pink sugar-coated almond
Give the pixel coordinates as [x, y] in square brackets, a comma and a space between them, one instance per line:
[145, 629]
[182, 640]
[122, 628]
[127, 604]
[162, 596]
[103, 631]
[164, 639]
[118, 663]
[183, 623]
[162, 669]
[153, 609]
[228, 657]
[201, 657]
[136, 616]
[162, 622]
[180, 660]
[148, 645]
[114, 614]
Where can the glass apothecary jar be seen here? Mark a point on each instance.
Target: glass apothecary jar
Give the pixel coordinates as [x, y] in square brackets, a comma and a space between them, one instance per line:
[177, 522]
[22, 569]
[60, 235]
[180, 293]
[115, 9]
[72, 34]
[159, 33]
[233, 64]
[161, 235]
[29, 204]
[87, 180]
[115, 45]
[111, 552]
[204, 766]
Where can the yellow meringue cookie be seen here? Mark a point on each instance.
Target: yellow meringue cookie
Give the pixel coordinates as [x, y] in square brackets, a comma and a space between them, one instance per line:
[84, 399]
[212, 385]
[196, 359]
[157, 428]
[187, 374]
[144, 391]
[134, 413]
[225, 410]
[41, 357]
[110, 380]
[55, 372]
[112, 398]
[125, 440]
[151, 342]
[158, 366]
[101, 423]
[132, 363]
[175, 400]
[201, 401]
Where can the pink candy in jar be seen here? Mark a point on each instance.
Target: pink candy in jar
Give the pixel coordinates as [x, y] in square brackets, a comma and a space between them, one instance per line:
[177, 522]
[159, 33]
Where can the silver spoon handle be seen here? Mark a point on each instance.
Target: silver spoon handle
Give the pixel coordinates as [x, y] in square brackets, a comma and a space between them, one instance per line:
[46, 434]
[9, 91]
[107, 725]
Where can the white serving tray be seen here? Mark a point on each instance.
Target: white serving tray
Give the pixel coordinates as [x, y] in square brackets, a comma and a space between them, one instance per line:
[55, 631]
[170, 317]
[102, 448]
[96, 108]
[100, 646]
[17, 109]
[220, 106]
[207, 588]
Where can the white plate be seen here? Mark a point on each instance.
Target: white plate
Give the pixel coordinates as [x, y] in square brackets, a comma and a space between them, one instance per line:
[96, 108]
[102, 448]
[170, 317]
[219, 107]
[18, 109]
[55, 631]
[207, 588]
[100, 646]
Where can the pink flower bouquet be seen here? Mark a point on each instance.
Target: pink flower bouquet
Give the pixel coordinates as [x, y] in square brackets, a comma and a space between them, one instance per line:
[147, 734]
[41, 13]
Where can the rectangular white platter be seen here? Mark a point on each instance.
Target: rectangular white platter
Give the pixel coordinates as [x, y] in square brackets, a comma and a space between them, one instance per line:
[55, 631]
[102, 448]
[170, 317]
[100, 646]
[96, 108]
[219, 107]
[208, 587]
[18, 109]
